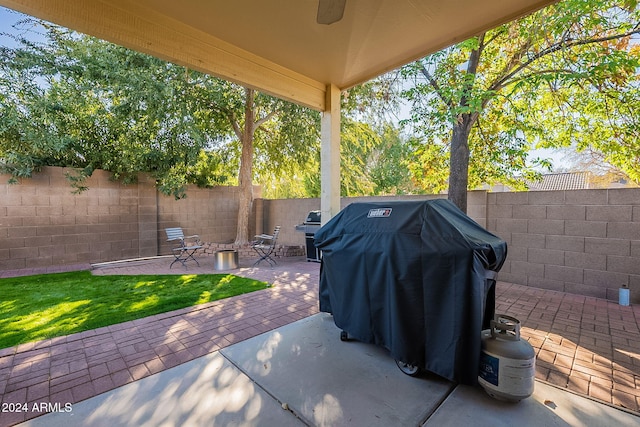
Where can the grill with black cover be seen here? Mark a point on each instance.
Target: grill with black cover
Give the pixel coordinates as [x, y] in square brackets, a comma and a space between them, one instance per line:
[416, 277]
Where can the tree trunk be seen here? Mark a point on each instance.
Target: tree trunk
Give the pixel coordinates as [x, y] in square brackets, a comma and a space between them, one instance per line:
[459, 161]
[459, 154]
[245, 177]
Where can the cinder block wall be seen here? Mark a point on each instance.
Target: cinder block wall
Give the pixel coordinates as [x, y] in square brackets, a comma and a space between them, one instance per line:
[585, 242]
[43, 224]
[289, 213]
[211, 213]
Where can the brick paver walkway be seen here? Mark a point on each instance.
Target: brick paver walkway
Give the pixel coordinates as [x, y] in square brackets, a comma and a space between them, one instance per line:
[587, 345]
[76, 367]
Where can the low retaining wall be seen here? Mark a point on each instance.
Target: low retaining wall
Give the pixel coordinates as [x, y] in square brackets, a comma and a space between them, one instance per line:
[245, 251]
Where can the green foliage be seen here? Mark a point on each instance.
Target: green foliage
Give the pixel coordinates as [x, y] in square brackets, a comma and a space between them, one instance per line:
[429, 166]
[566, 75]
[212, 168]
[358, 140]
[375, 102]
[605, 122]
[52, 305]
[79, 102]
[283, 145]
[389, 164]
[373, 161]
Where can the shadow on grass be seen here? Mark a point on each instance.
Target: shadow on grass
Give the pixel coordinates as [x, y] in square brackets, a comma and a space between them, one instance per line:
[51, 305]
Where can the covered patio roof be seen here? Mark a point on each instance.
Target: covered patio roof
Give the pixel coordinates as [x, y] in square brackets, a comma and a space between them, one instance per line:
[277, 46]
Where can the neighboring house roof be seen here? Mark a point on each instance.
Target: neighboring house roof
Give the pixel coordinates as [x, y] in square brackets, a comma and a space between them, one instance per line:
[562, 181]
[584, 180]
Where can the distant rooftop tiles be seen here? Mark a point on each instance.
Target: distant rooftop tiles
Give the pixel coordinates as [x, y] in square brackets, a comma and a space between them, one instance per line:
[562, 181]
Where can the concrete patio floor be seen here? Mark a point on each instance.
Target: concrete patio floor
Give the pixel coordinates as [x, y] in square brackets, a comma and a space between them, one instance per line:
[588, 346]
[301, 374]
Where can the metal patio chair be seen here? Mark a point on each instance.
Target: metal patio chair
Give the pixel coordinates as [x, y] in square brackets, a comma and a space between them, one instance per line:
[187, 246]
[265, 245]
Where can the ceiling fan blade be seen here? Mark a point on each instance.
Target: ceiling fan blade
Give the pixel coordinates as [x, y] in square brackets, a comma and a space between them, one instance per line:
[330, 11]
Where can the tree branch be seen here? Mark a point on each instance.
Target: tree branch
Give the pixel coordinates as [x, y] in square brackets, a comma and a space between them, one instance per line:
[265, 119]
[494, 37]
[565, 43]
[513, 62]
[543, 72]
[472, 69]
[234, 123]
[436, 87]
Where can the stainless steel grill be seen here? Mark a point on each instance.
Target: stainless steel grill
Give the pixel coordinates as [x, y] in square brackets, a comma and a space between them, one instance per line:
[310, 225]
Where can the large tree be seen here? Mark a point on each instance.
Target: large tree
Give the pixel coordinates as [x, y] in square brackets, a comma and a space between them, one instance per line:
[478, 105]
[76, 101]
[79, 102]
[273, 136]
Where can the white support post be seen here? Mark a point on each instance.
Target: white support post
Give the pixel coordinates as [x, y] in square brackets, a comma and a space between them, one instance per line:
[330, 155]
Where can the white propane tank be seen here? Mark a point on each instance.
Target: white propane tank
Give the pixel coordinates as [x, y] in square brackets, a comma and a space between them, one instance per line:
[507, 364]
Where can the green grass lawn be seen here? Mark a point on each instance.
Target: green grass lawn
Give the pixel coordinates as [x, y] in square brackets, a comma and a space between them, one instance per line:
[51, 305]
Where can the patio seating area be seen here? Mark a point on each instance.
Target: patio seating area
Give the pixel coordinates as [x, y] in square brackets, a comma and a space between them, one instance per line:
[588, 346]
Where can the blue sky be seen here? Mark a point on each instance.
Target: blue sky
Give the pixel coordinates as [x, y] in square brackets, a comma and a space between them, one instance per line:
[9, 17]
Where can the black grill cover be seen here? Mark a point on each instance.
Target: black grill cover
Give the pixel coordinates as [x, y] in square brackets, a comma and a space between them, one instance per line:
[415, 277]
